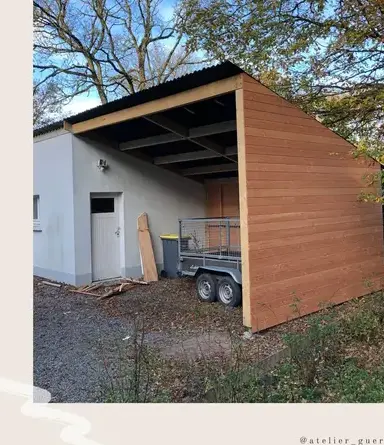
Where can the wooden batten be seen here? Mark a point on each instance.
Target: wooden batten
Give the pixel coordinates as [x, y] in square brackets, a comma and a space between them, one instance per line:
[67, 126]
[243, 198]
[176, 100]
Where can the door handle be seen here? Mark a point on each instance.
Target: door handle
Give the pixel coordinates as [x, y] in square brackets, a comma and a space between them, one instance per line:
[117, 231]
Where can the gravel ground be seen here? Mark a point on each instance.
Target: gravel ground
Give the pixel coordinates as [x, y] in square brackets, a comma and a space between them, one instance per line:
[78, 340]
[70, 335]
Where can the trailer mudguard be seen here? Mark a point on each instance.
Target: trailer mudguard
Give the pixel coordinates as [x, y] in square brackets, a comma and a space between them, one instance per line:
[234, 273]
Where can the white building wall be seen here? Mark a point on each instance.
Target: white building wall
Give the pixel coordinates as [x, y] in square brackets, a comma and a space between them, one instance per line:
[54, 244]
[163, 195]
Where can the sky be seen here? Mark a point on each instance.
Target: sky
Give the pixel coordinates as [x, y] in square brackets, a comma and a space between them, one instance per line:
[81, 103]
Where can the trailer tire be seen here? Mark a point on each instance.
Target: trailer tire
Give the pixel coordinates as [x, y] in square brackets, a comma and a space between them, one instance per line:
[228, 291]
[206, 287]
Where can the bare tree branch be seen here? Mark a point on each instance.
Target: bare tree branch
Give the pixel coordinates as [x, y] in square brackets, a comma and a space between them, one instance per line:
[113, 47]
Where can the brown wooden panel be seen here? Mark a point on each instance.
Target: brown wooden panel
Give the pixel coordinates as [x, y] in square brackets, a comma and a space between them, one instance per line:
[315, 297]
[291, 145]
[255, 235]
[309, 222]
[314, 206]
[301, 264]
[282, 118]
[308, 236]
[264, 316]
[292, 160]
[330, 170]
[299, 239]
[278, 184]
[305, 176]
[333, 288]
[301, 153]
[292, 136]
[230, 199]
[273, 109]
[321, 201]
[267, 99]
[222, 198]
[213, 199]
[223, 201]
[324, 191]
[315, 129]
[308, 215]
[309, 282]
[249, 85]
[292, 247]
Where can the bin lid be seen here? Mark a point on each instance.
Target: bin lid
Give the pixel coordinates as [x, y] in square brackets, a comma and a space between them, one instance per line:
[169, 236]
[172, 236]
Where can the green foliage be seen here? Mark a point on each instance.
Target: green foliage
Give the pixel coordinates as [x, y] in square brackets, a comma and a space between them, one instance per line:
[317, 348]
[353, 384]
[281, 385]
[325, 55]
[364, 326]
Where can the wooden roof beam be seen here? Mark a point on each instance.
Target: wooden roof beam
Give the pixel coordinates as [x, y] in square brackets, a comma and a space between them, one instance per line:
[204, 130]
[150, 141]
[193, 156]
[183, 131]
[207, 130]
[206, 169]
[168, 124]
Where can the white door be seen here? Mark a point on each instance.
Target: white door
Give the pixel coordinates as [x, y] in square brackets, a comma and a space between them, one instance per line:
[105, 238]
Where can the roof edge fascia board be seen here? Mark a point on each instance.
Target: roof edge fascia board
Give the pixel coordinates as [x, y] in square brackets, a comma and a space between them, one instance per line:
[202, 92]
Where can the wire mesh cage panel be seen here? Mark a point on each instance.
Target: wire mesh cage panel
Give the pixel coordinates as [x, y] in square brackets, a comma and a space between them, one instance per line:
[213, 237]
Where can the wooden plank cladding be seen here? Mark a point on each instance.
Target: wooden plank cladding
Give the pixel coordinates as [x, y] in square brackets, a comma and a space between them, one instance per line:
[222, 198]
[310, 241]
[223, 201]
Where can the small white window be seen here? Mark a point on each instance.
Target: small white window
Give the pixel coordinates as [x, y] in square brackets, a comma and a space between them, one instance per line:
[36, 213]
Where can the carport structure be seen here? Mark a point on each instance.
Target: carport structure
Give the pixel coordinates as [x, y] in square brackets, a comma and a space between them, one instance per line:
[305, 238]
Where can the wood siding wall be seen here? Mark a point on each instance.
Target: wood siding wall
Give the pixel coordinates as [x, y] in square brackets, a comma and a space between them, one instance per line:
[223, 198]
[223, 201]
[310, 242]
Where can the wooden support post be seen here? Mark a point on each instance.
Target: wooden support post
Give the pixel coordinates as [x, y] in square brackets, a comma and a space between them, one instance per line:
[243, 198]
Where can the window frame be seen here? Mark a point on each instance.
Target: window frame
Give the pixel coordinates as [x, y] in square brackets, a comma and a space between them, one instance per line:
[36, 221]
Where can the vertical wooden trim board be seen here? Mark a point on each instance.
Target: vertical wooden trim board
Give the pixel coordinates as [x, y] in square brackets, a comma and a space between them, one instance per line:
[306, 239]
[243, 198]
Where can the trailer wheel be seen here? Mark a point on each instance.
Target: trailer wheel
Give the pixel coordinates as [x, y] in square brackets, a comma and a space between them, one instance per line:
[206, 287]
[228, 291]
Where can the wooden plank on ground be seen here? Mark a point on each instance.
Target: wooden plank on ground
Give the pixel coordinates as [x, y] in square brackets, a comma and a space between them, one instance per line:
[146, 250]
[49, 283]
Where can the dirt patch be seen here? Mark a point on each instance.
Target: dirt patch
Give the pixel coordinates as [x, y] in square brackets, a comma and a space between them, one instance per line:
[171, 305]
[186, 325]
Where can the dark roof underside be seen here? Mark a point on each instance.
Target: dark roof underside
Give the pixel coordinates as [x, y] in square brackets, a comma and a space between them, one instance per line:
[178, 85]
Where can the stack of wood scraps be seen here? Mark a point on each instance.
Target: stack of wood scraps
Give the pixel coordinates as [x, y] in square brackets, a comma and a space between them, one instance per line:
[105, 289]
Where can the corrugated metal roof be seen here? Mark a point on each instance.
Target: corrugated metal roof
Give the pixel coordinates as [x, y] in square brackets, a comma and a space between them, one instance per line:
[48, 128]
[177, 85]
